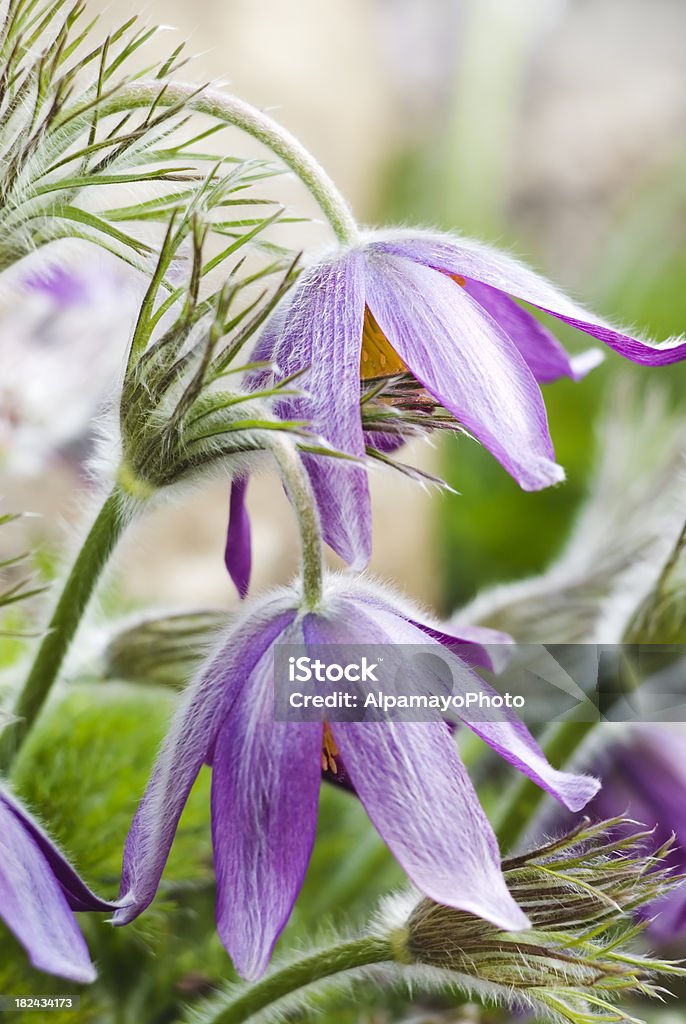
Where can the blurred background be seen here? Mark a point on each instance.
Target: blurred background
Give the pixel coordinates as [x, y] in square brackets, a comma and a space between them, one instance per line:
[554, 128]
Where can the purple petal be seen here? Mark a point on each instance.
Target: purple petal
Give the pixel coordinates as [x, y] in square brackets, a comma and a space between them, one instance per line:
[265, 790]
[418, 794]
[238, 552]
[78, 895]
[472, 645]
[543, 353]
[476, 645]
[510, 737]
[321, 332]
[464, 359]
[413, 785]
[513, 741]
[64, 286]
[481, 263]
[34, 907]
[186, 747]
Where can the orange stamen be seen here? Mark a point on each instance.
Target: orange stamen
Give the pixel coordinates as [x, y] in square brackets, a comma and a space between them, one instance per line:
[379, 358]
[329, 751]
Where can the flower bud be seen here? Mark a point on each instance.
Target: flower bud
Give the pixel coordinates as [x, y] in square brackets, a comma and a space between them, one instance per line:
[177, 418]
[575, 961]
[161, 650]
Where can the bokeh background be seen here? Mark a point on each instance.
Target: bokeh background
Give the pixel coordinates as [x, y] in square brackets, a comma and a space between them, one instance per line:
[555, 128]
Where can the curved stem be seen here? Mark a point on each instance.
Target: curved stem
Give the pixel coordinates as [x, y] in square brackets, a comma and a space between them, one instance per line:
[347, 956]
[260, 126]
[523, 797]
[91, 560]
[299, 490]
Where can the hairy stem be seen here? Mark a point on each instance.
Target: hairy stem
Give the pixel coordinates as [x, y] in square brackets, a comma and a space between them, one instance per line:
[347, 956]
[299, 490]
[260, 126]
[76, 593]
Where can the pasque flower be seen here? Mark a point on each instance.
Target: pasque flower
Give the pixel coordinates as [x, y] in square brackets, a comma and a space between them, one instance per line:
[266, 775]
[440, 309]
[39, 891]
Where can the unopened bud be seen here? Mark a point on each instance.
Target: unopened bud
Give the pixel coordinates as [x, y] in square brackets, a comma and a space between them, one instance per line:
[580, 893]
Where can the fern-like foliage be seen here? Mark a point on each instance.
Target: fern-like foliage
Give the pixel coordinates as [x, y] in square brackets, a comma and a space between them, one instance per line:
[185, 401]
[61, 148]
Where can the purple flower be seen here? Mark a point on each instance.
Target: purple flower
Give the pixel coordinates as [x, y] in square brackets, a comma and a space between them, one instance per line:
[266, 775]
[442, 310]
[644, 778]
[39, 890]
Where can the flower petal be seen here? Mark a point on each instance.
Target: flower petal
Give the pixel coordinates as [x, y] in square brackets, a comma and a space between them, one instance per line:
[265, 790]
[79, 896]
[476, 645]
[507, 735]
[482, 263]
[321, 333]
[513, 741]
[464, 359]
[419, 796]
[186, 747]
[238, 553]
[413, 785]
[543, 353]
[34, 907]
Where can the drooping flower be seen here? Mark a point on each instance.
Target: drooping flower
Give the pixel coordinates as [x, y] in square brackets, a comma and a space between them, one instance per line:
[266, 775]
[644, 777]
[438, 313]
[39, 892]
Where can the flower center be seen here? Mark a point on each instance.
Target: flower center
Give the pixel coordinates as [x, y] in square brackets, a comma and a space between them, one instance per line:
[379, 358]
[329, 751]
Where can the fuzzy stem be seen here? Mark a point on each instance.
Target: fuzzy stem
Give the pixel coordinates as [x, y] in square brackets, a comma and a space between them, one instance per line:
[91, 560]
[522, 798]
[347, 956]
[299, 491]
[254, 122]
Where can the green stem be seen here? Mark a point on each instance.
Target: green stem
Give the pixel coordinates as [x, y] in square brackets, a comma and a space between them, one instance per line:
[347, 956]
[658, 619]
[260, 126]
[90, 562]
[523, 797]
[299, 489]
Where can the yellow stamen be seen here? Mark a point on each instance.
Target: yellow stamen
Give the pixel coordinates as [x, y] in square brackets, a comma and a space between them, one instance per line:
[379, 359]
[329, 751]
